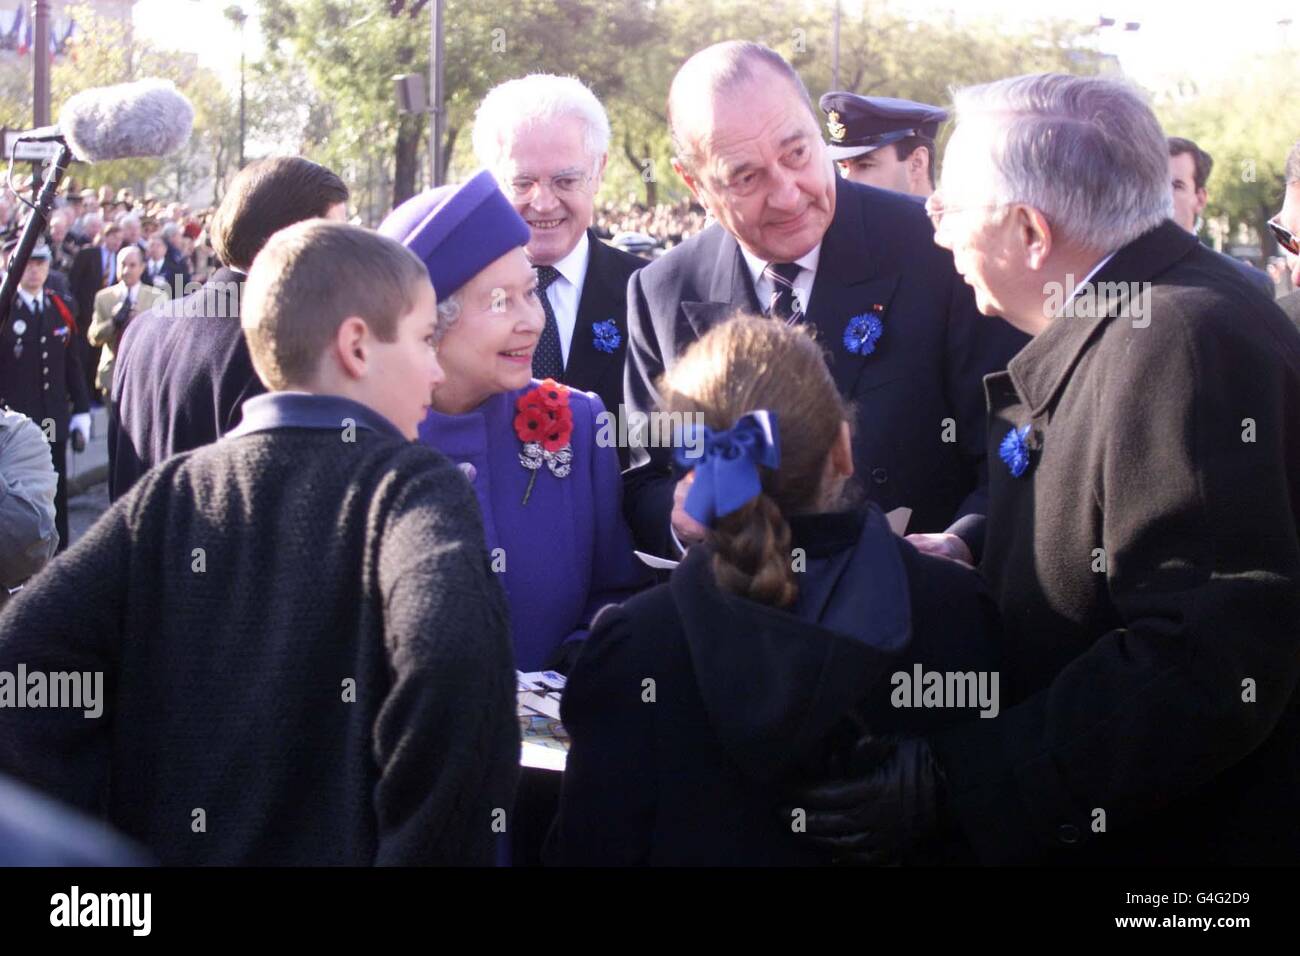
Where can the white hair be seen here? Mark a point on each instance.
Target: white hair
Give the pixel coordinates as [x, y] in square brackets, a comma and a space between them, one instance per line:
[1085, 151]
[449, 309]
[517, 104]
[129, 219]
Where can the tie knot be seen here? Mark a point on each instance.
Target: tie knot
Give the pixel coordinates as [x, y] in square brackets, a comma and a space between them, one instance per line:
[783, 273]
[545, 276]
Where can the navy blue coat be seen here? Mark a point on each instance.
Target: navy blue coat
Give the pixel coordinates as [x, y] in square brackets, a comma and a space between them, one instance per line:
[183, 371]
[878, 257]
[750, 699]
[604, 297]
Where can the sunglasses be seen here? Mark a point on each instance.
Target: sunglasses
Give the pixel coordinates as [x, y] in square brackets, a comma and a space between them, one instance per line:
[1287, 239]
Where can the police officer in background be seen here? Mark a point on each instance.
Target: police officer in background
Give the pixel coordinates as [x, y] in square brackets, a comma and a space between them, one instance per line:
[40, 372]
[860, 127]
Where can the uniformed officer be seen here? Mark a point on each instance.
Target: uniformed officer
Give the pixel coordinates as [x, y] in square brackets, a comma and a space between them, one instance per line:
[40, 374]
[860, 126]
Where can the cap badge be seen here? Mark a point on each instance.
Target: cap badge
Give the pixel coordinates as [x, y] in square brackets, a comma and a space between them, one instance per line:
[834, 126]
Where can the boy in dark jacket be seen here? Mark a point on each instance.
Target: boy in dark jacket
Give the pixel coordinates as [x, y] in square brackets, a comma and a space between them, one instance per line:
[303, 652]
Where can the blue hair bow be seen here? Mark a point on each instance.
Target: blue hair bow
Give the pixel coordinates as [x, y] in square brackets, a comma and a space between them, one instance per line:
[726, 463]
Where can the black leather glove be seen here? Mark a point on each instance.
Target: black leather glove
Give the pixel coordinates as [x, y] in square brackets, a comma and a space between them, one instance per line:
[891, 800]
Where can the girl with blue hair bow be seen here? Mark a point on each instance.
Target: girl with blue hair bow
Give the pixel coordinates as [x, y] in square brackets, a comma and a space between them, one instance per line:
[698, 706]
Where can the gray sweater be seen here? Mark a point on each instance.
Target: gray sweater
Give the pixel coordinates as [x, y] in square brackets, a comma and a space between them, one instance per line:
[305, 653]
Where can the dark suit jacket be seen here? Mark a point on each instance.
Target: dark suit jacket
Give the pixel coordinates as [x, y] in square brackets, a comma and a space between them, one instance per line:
[878, 256]
[697, 776]
[604, 297]
[1147, 567]
[85, 279]
[181, 375]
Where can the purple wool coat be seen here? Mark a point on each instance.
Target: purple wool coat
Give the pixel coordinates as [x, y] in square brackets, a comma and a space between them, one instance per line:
[568, 552]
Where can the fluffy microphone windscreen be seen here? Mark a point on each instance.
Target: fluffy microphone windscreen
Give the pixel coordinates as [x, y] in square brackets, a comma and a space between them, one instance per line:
[145, 118]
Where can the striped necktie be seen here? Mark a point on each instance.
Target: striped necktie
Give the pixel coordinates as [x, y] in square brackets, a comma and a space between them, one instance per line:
[784, 303]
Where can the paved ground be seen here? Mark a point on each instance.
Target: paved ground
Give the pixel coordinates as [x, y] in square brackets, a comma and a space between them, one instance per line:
[87, 478]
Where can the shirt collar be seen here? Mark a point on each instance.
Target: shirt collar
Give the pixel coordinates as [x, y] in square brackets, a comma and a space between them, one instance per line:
[756, 265]
[29, 300]
[307, 410]
[574, 266]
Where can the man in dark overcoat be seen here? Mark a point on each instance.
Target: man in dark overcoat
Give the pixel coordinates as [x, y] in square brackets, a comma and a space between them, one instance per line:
[183, 371]
[1142, 531]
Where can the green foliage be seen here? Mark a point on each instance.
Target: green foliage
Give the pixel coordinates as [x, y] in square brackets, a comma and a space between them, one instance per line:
[626, 50]
[1247, 124]
[104, 52]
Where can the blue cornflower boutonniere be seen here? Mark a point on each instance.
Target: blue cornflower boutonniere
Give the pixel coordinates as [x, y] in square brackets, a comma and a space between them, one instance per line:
[1014, 451]
[606, 335]
[862, 332]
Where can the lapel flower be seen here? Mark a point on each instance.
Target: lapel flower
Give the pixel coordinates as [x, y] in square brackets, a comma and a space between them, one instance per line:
[863, 331]
[1014, 451]
[544, 423]
[606, 337]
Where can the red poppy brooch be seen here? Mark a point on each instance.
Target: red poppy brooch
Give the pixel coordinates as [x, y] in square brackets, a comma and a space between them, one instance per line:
[544, 424]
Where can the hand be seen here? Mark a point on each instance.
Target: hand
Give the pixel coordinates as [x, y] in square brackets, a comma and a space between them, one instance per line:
[943, 546]
[79, 425]
[891, 801]
[688, 530]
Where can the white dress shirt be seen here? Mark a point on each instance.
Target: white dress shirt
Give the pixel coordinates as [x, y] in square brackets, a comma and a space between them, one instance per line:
[566, 292]
[803, 282]
[31, 301]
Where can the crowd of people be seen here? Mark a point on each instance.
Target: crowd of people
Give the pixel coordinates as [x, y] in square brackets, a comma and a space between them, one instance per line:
[937, 520]
[666, 224]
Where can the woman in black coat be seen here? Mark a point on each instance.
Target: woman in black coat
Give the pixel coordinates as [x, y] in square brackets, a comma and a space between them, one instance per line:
[697, 707]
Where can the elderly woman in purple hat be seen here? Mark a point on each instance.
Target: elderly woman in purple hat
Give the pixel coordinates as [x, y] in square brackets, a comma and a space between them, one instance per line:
[549, 492]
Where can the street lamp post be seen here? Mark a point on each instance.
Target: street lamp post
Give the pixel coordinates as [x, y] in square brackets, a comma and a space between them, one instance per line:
[236, 15]
[437, 118]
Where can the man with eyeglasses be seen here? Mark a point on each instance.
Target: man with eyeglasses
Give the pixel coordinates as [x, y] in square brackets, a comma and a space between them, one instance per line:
[1286, 230]
[798, 243]
[1142, 541]
[546, 138]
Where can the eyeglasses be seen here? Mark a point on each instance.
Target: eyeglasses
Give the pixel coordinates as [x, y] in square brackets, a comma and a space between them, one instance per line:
[524, 189]
[1287, 239]
[936, 210]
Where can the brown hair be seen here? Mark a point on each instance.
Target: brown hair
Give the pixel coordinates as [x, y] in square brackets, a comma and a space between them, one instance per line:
[265, 197]
[297, 295]
[1202, 162]
[751, 363]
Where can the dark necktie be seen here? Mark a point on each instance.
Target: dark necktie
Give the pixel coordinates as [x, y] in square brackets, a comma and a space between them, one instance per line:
[782, 305]
[548, 360]
[123, 312]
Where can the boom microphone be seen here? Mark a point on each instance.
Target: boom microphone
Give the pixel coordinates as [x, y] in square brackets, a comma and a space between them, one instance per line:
[145, 118]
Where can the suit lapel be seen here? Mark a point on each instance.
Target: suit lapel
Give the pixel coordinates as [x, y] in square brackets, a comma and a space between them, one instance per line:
[601, 300]
[731, 290]
[848, 284]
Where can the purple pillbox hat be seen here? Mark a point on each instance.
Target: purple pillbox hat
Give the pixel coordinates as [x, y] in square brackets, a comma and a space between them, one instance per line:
[457, 231]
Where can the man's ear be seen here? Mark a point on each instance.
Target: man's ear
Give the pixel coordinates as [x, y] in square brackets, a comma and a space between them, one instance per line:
[1034, 234]
[1202, 199]
[352, 347]
[691, 182]
[918, 166]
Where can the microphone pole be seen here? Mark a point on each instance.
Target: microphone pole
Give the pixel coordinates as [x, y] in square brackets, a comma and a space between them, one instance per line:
[35, 226]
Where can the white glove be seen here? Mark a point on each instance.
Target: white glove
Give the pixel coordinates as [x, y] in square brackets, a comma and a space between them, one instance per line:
[81, 423]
